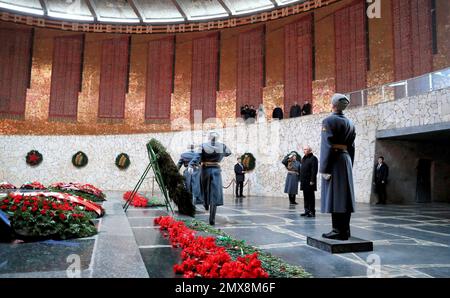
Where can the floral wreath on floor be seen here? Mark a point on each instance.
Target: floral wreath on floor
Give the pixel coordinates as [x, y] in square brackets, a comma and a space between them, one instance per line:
[33, 185]
[86, 191]
[7, 185]
[80, 159]
[248, 160]
[33, 158]
[43, 216]
[123, 161]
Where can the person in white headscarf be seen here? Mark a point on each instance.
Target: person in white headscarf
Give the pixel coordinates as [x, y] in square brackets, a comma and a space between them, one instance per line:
[261, 114]
[337, 153]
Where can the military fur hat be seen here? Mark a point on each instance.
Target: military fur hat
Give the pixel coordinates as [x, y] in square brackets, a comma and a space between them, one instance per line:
[340, 101]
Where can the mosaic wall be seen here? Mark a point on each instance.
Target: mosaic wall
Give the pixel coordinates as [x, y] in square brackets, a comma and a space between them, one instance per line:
[36, 120]
[268, 141]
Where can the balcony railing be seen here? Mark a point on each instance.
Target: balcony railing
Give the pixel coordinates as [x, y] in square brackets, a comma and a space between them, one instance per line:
[415, 86]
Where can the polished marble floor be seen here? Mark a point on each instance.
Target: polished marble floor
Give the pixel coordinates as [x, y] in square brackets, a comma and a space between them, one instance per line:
[409, 240]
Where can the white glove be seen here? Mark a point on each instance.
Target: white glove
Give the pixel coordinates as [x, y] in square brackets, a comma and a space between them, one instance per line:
[191, 170]
[326, 176]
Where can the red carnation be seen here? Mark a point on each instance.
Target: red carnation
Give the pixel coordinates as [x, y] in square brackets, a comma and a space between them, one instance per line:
[62, 216]
[13, 208]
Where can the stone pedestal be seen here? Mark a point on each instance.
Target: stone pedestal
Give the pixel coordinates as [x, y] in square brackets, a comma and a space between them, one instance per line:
[340, 246]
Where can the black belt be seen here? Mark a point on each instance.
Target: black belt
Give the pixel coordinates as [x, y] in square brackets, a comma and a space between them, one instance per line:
[208, 164]
[339, 148]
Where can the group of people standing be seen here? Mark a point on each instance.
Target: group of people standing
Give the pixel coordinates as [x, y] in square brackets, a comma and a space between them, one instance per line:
[203, 175]
[295, 111]
[337, 152]
[248, 112]
[302, 171]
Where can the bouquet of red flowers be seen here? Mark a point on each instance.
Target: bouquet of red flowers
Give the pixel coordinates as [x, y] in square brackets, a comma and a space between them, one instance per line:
[203, 258]
[137, 201]
[6, 185]
[33, 185]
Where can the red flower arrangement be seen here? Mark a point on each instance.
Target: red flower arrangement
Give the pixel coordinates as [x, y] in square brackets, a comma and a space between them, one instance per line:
[6, 185]
[203, 258]
[89, 206]
[138, 200]
[33, 185]
[40, 215]
[93, 193]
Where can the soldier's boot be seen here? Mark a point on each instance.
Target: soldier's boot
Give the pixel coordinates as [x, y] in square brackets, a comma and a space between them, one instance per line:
[212, 214]
[339, 231]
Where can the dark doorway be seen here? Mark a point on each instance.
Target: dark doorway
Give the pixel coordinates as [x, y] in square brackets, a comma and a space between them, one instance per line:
[423, 188]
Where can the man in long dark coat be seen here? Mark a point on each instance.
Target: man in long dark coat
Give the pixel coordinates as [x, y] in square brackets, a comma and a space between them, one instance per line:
[245, 112]
[308, 181]
[307, 108]
[277, 113]
[381, 175]
[337, 153]
[240, 177]
[294, 167]
[296, 111]
[210, 155]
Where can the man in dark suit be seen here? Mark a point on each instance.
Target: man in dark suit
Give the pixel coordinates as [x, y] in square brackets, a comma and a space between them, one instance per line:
[296, 111]
[308, 181]
[381, 174]
[307, 109]
[337, 153]
[251, 115]
[240, 177]
[277, 113]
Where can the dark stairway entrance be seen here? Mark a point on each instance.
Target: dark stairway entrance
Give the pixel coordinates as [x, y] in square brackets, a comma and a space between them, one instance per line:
[423, 188]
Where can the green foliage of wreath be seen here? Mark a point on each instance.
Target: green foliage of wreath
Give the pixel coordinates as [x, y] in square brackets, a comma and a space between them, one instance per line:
[249, 161]
[33, 158]
[79, 159]
[173, 180]
[123, 161]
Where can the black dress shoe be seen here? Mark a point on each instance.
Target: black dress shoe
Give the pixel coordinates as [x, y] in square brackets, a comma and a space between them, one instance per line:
[304, 214]
[335, 235]
[206, 207]
[243, 196]
[310, 215]
[211, 223]
[294, 203]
